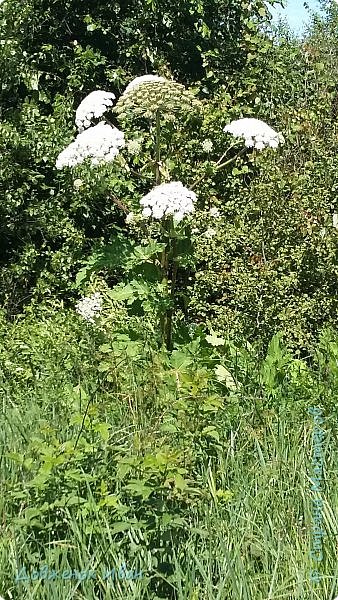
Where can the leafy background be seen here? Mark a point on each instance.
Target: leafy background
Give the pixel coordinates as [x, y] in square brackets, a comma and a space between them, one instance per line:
[192, 466]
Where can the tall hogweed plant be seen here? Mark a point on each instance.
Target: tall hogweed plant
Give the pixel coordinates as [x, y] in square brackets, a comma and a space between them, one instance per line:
[156, 241]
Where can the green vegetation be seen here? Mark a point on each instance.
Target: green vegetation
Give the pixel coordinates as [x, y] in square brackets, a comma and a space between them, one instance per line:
[170, 432]
[195, 475]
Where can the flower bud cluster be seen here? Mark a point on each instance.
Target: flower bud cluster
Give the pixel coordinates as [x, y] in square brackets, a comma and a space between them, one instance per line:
[147, 95]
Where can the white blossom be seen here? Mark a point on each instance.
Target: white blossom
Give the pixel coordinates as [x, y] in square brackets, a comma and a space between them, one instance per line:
[77, 183]
[210, 232]
[134, 146]
[207, 146]
[130, 218]
[146, 211]
[335, 220]
[256, 133]
[169, 199]
[214, 212]
[90, 307]
[101, 143]
[143, 79]
[94, 105]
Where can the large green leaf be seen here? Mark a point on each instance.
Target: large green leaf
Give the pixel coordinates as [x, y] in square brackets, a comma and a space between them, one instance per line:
[117, 254]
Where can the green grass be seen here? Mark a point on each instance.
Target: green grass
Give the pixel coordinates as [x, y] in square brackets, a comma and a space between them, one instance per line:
[189, 541]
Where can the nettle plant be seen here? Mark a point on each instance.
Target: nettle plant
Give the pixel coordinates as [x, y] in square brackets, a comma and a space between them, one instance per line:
[152, 110]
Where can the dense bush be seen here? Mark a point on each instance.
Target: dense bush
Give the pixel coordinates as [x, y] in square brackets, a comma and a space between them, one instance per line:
[271, 263]
[52, 56]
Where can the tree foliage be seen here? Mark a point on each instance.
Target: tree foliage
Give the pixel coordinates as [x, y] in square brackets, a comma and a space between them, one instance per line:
[52, 54]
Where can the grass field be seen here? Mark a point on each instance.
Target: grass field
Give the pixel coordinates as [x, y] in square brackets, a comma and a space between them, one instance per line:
[201, 488]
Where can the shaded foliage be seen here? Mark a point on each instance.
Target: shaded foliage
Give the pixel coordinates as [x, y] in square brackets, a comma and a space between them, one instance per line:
[51, 56]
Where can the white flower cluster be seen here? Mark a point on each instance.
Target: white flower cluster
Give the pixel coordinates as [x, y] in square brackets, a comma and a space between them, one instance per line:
[143, 79]
[207, 146]
[101, 143]
[256, 133]
[94, 105]
[169, 199]
[77, 183]
[335, 220]
[90, 307]
[134, 147]
[210, 232]
[214, 212]
[130, 218]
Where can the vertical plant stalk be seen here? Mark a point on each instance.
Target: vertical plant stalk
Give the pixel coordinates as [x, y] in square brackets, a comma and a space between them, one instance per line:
[164, 257]
[164, 269]
[170, 312]
[168, 254]
[158, 148]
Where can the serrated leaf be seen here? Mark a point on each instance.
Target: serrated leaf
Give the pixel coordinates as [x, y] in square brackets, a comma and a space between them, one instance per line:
[122, 292]
[180, 483]
[105, 348]
[139, 489]
[168, 428]
[74, 500]
[111, 500]
[104, 367]
[114, 255]
[103, 430]
[119, 527]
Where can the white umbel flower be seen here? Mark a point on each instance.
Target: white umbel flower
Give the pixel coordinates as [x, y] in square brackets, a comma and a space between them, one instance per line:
[100, 144]
[130, 218]
[143, 79]
[78, 183]
[207, 146]
[134, 147]
[214, 212]
[210, 232]
[256, 133]
[90, 307]
[335, 220]
[169, 199]
[94, 105]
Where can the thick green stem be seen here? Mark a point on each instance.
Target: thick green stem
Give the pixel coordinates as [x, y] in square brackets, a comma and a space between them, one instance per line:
[170, 313]
[164, 269]
[169, 269]
[164, 256]
[168, 254]
[158, 148]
